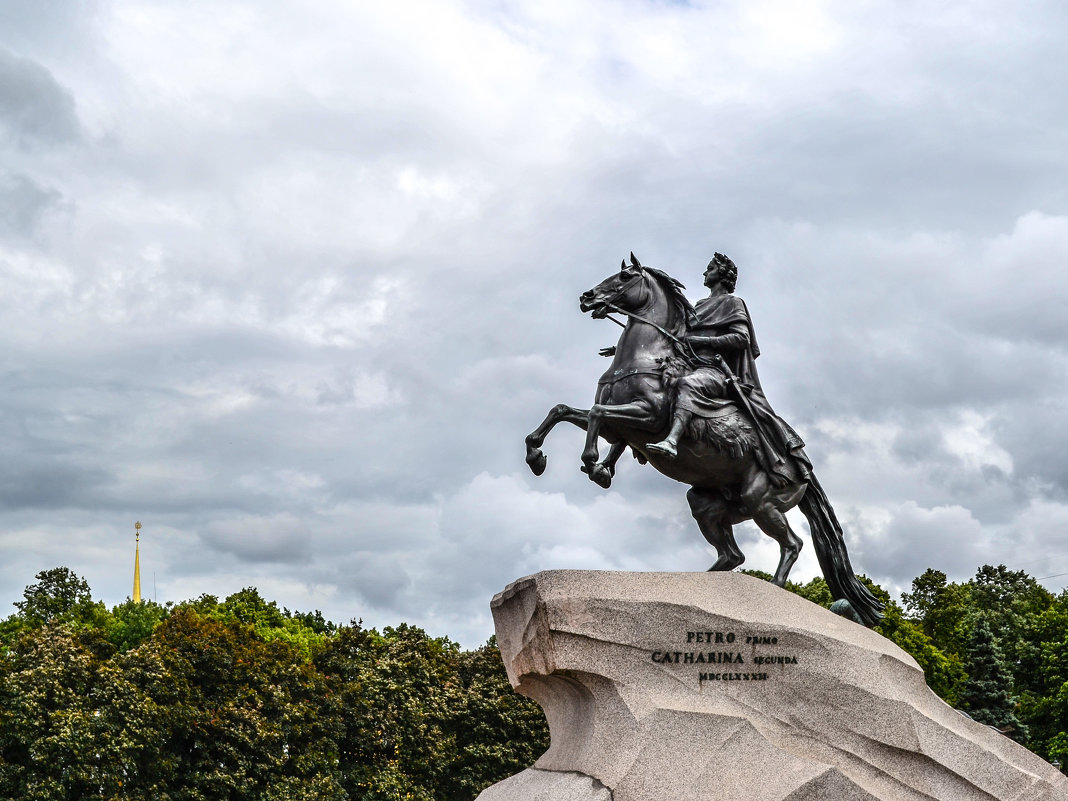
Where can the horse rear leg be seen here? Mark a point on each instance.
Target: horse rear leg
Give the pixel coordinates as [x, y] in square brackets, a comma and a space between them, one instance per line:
[561, 413]
[768, 504]
[712, 514]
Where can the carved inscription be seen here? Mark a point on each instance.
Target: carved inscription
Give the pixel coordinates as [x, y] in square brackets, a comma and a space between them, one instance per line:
[747, 655]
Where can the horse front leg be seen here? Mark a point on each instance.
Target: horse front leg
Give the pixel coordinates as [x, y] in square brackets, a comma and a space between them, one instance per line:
[637, 414]
[561, 413]
[613, 456]
[604, 471]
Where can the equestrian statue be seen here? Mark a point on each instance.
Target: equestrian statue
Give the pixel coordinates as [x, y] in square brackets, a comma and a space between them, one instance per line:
[683, 394]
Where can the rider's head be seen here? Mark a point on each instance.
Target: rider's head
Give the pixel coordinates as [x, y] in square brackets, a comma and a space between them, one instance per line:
[726, 269]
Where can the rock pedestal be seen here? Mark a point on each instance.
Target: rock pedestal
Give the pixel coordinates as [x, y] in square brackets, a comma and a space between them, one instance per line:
[721, 686]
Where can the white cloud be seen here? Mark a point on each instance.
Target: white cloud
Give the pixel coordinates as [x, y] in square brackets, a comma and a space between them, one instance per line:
[972, 442]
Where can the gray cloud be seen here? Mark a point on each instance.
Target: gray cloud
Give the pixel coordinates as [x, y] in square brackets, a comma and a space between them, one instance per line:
[34, 108]
[23, 204]
[295, 303]
[280, 538]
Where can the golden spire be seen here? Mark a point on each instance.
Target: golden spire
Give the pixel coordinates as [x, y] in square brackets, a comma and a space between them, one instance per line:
[137, 563]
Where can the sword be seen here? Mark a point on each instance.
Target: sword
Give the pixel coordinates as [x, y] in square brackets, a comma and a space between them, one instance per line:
[771, 455]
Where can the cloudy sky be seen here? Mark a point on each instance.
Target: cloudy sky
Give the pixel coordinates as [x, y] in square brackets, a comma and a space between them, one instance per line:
[289, 283]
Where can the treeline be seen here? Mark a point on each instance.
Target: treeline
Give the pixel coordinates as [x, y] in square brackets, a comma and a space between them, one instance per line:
[238, 699]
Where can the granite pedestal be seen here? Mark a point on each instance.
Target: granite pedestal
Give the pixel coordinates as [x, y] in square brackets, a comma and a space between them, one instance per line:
[721, 686]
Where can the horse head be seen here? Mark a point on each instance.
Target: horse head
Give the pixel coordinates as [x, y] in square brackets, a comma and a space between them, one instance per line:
[624, 290]
[637, 289]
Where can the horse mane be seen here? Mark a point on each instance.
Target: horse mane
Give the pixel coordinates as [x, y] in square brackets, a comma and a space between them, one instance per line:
[684, 310]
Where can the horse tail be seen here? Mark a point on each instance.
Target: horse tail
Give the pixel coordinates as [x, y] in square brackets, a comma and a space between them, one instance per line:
[829, 544]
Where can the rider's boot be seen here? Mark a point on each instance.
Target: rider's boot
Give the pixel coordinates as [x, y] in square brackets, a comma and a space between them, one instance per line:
[669, 446]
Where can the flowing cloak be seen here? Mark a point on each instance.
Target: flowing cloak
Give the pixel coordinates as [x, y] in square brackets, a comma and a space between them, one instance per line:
[703, 391]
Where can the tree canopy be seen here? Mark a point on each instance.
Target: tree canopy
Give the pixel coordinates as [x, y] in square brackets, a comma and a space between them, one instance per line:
[239, 699]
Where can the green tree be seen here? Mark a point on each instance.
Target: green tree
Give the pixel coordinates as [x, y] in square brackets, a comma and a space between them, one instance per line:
[926, 594]
[998, 590]
[389, 691]
[305, 632]
[987, 692]
[942, 609]
[250, 607]
[815, 590]
[322, 787]
[313, 621]
[1008, 599]
[242, 714]
[57, 595]
[60, 703]
[132, 622]
[1043, 673]
[494, 731]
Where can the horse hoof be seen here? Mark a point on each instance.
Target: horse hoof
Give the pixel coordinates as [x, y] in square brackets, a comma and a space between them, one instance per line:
[536, 460]
[727, 563]
[601, 476]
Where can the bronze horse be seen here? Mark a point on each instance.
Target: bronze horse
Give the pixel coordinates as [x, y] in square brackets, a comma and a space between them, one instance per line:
[718, 459]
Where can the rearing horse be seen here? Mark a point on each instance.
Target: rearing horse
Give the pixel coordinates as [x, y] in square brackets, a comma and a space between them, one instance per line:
[632, 407]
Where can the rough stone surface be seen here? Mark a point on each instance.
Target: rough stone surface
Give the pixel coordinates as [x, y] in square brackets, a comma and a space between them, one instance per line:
[547, 785]
[646, 700]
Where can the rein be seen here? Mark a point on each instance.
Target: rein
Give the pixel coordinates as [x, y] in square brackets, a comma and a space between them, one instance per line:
[684, 347]
[623, 290]
[611, 304]
[641, 319]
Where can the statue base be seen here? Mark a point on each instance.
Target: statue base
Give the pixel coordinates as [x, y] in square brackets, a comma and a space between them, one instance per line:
[721, 686]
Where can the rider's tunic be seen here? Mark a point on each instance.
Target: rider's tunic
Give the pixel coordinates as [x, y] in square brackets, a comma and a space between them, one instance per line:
[703, 391]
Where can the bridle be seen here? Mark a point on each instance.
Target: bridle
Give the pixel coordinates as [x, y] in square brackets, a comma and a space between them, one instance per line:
[611, 304]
